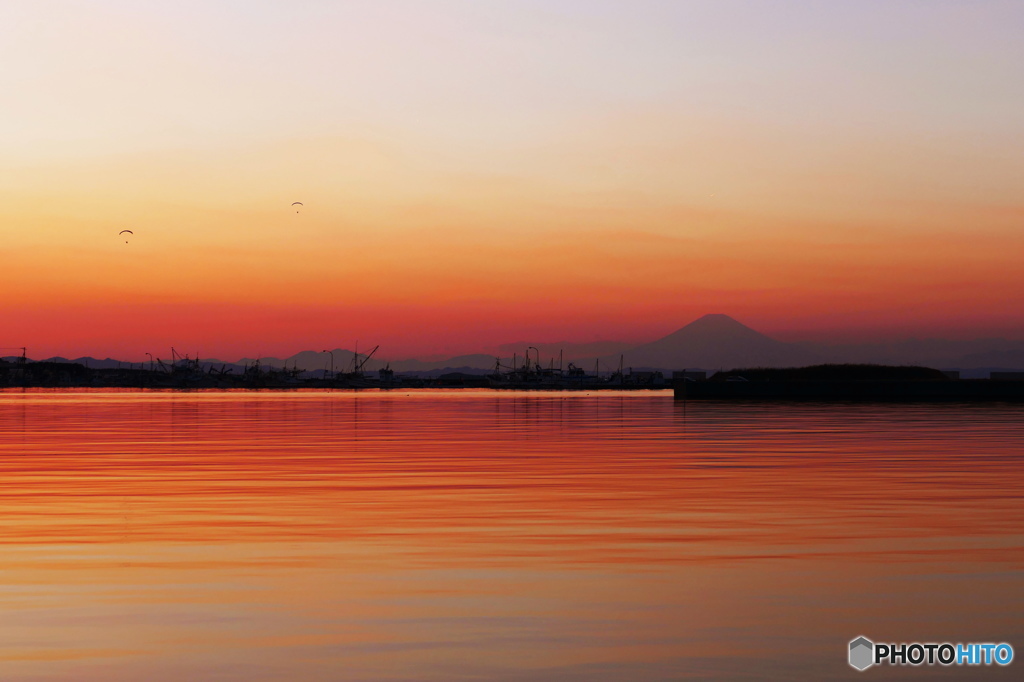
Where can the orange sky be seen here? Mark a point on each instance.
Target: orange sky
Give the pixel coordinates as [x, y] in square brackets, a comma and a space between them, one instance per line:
[478, 175]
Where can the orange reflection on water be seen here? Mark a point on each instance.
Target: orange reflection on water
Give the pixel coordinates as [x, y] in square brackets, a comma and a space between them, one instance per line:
[430, 535]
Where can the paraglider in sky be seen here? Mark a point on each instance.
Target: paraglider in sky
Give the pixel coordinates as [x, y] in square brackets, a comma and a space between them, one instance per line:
[297, 203]
[125, 231]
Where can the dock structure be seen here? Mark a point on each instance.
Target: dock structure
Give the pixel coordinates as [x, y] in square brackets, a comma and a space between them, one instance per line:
[875, 383]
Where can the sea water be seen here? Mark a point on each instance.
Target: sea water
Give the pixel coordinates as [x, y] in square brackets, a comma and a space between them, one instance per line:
[432, 535]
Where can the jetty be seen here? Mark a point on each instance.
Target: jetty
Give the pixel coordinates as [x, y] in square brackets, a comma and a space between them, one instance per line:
[874, 383]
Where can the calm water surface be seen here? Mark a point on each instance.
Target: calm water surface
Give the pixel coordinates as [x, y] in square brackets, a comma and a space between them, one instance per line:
[499, 536]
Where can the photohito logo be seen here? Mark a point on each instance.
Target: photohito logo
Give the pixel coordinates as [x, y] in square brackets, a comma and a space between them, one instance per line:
[864, 653]
[861, 653]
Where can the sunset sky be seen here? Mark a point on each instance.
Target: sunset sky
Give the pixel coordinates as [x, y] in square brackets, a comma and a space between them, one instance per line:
[478, 173]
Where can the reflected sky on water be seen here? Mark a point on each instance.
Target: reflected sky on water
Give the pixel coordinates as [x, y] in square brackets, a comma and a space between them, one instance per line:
[439, 535]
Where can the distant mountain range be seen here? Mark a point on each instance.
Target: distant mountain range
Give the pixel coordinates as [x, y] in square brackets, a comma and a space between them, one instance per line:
[711, 342]
[718, 342]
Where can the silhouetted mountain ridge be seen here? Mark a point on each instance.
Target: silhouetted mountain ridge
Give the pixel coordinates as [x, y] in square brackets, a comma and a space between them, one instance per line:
[714, 341]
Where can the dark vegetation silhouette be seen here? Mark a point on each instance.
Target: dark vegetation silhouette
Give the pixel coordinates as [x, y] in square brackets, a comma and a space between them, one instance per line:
[849, 372]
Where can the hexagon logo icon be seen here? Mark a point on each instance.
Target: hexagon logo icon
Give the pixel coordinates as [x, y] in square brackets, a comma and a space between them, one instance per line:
[862, 652]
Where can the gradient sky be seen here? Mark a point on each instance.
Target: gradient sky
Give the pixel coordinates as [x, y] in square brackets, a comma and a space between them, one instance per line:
[479, 173]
